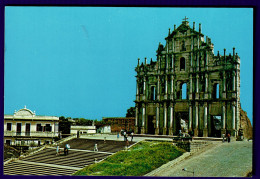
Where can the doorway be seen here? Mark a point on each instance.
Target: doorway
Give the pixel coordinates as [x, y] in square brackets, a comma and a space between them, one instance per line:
[18, 129]
[216, 123]
[27, 129]
[151, 125]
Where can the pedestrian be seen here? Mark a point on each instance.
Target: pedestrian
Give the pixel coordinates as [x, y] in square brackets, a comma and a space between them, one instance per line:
[117, 135]
[223, 136]
[67, 146]
[124, 135]
[57, 150]
[228, 137]
[132, 136]
[95, 148]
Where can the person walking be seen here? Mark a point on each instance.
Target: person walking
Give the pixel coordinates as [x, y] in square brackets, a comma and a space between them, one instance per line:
[132, 136]
[67, 146]
[223, 136]
[228, 137]
[57, 150]
[117, 135]
[125, 136]
[95, 148]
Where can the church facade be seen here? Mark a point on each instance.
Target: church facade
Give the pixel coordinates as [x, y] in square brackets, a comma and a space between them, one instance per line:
[188, 87]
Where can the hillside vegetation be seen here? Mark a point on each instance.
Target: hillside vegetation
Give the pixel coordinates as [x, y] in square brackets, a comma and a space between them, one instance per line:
[137, 161]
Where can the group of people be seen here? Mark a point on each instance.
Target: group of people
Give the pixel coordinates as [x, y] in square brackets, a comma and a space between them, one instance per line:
[66, 149]
[125, 136]
[224, 138]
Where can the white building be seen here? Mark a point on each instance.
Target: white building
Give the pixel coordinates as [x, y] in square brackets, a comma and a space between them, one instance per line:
[83, 129]
[25, 127]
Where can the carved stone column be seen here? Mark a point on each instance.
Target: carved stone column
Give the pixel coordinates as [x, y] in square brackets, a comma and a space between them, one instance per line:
[143, 119]
[205, 130]
[190, 117]
[223, 130]
[165, 119]
[233, 119]
[171, 87]
[157, 118]
[171, 119]
[158, 87]
[196, 130]
[136, 119]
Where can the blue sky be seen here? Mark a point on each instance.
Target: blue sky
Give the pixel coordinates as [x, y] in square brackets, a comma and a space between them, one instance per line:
[79, 61]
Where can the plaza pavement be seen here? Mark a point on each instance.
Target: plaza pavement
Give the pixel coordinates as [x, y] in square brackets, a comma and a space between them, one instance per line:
[222, 160]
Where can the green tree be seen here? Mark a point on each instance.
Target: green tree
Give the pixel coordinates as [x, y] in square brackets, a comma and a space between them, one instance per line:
[130, 112]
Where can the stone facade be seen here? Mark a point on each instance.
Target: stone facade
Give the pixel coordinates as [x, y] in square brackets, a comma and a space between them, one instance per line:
[119, 123]
[188, 88]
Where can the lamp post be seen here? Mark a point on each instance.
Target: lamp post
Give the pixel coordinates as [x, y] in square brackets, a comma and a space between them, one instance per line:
[185, 170]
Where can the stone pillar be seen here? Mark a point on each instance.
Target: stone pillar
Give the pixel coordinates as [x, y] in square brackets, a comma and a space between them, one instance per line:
[143, 119]
[191, 58]
[144, 98]
[158, 87]
[205, 130]
[234, 81]
[198, 61]
[196, 130]
[224, 85]
[172, 63]
[171, 119]
[206, 83]
[190, 117]
[198, 41]
[223, 130]
[171, 87]
[157, 118]
[136, 119]
[166, 85]
[207, 61]
[166, 59]
[137, 90]
[165, 119]
[233, 120]
[197, 87]
[190, 95]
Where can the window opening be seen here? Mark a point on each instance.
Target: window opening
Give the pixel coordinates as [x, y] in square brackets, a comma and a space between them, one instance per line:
[182, 64]
[184, 91]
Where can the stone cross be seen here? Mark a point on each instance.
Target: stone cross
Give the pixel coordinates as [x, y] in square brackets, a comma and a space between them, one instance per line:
[185, 19]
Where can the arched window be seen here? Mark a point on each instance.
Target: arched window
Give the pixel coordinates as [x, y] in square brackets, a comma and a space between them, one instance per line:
[184, 91]
[182, 64]
[215, 94]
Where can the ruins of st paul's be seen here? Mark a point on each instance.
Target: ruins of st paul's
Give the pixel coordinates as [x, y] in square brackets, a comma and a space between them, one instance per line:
[188, 85]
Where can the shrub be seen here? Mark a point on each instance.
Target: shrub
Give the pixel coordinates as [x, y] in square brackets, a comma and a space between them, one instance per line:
[139, 160]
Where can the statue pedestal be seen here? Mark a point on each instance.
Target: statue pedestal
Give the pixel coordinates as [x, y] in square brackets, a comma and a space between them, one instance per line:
[205, 132]
[157, 131]
[164, 131]
[142, 130]
[196, 132]
[170, 131]
[136, 130]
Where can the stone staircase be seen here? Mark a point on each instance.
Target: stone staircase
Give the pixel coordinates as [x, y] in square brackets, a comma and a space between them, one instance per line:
[81, 154]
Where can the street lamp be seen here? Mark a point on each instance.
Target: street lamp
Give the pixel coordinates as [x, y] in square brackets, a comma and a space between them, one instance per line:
[185, 170]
